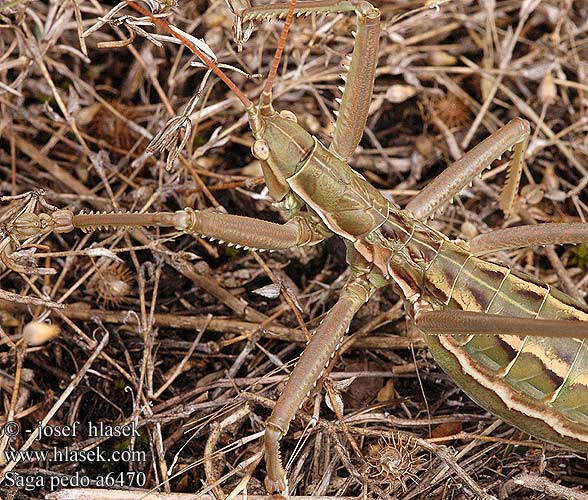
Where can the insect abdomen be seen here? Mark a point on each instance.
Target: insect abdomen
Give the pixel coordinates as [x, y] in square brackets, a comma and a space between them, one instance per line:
[538, 384]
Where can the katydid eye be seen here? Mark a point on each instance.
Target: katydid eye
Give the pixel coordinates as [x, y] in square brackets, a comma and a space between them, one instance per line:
[260, 149]
[288, 115]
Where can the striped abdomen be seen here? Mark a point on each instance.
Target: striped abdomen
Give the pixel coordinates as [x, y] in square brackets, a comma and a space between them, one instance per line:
[538, 384]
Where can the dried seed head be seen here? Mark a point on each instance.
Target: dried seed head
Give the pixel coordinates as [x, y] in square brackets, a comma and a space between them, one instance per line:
[393, 461]
[112, 284]
[452, 111]
[547, 91]
[400, 93]
[442, 58]
[424, 145]
[37, 333]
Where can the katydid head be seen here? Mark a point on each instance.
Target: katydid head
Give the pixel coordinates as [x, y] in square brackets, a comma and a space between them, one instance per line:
[281, 146]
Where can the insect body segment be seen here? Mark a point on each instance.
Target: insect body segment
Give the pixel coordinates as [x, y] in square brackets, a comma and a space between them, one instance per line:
[532, 382]
[343, 199]
[282, 146]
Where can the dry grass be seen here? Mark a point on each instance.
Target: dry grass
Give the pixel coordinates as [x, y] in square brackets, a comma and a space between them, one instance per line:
[186, 351]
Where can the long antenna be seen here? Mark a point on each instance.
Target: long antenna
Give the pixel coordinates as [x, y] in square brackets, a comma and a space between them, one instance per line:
[267, 89]
[203, 57]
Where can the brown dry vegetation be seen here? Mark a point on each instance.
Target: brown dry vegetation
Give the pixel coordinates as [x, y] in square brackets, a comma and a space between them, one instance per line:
[166, 332]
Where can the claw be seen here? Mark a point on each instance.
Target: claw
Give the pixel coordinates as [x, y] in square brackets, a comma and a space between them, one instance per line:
[275, 481]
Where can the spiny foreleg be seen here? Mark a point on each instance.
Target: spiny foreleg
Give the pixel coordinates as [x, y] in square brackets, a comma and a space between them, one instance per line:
[360, 69]
[231, 229]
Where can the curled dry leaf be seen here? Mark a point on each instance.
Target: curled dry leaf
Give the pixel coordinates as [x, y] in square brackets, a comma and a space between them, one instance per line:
[442, 58]
[269, 291]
